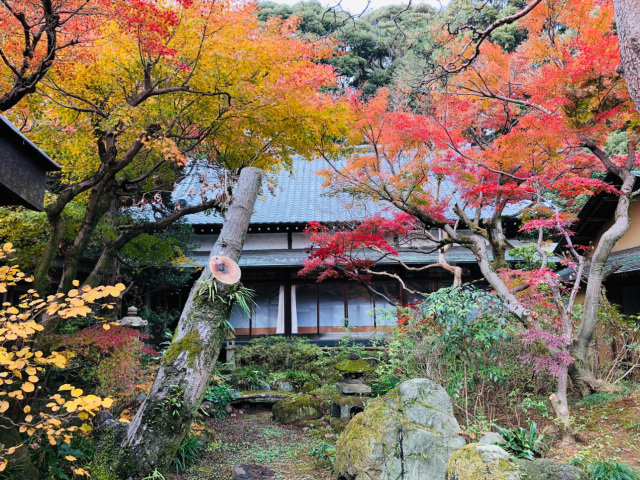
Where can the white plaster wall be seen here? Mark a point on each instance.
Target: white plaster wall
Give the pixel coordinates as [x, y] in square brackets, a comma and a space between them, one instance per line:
[254, 241]
[266, 241]
[299, 240]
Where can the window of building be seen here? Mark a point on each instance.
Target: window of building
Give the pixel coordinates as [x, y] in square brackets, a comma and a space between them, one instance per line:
[331, 297]
[359, 308]
[265, 318]
[306, 308]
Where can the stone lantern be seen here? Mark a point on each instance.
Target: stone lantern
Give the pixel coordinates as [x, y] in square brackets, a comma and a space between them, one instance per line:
[352, 388]
[132, 320]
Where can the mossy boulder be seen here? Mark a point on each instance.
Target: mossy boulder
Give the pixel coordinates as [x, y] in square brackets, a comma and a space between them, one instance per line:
[296, 408]
[479, 461]
[544, 469]
[408, 434]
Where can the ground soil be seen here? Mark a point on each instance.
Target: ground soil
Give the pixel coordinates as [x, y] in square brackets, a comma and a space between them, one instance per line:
[607, 429]
[252, 438]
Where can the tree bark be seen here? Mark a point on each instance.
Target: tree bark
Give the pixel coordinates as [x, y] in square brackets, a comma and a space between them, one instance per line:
[586, 330]
[41, 280]
[164, 418]
[628, 27]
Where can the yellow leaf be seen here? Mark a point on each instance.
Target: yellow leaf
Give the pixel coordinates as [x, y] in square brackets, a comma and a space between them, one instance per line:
[76, 392]
[106, 326]
[28, 387]
[4, 406]
[3, 465]
[64, 387]
[75, 283]
[12, 310]
[22, 429]
[107, 402]
[26, 409]
[71, 458]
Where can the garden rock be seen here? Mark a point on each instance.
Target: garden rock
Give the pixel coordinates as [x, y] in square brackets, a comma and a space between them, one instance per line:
[544, 469]
[491, 438]
[263, 386]
[283, 386]
[208, 409]
[479, 461]
[408, 434]
[252, 472]
[296, 408]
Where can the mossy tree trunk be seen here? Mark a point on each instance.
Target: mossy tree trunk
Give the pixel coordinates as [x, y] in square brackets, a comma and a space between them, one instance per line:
[163, 419]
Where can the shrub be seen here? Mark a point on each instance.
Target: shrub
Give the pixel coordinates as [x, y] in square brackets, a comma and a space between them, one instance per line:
[248, 378]
[612, 470]
[384, 384]
[190, 452]
[277, 354]
[295, 377]
[62, 416]
[521, 442]
[221, 397]
[324, 453]
[112, 357]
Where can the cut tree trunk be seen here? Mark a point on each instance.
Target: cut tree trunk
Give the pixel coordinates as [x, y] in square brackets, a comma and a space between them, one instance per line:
[164, 418]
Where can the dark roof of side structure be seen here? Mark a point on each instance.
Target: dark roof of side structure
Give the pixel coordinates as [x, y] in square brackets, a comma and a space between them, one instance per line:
[9, 131]
[595, 214]
[300, 197]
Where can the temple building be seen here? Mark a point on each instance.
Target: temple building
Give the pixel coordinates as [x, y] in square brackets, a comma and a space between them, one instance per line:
[276, 247]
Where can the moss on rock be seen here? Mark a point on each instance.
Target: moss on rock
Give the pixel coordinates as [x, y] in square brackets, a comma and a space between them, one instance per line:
[397, 438]
[353, 366]
[481, 462]
[296, 408]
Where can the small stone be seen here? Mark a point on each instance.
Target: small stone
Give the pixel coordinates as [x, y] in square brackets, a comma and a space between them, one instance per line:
[263, 387]
[283, 386]
[544, 469]
[141, 397]
[252, 472]
[491, 438]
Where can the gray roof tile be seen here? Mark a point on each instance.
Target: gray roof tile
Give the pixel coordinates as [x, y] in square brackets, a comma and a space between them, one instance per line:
[300, 197]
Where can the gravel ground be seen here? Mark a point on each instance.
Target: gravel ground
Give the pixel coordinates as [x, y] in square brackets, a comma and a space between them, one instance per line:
[252, 438]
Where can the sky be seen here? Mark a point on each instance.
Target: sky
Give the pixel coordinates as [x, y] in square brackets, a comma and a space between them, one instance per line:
[357, 6]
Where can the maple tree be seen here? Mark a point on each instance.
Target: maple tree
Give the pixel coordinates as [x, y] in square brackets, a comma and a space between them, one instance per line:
[154, 92]
[139, 103]
[494, 141]
[22, 368]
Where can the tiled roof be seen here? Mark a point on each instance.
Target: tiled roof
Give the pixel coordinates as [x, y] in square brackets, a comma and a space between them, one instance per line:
[296, 257]
[627, 261]
[299, 197]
